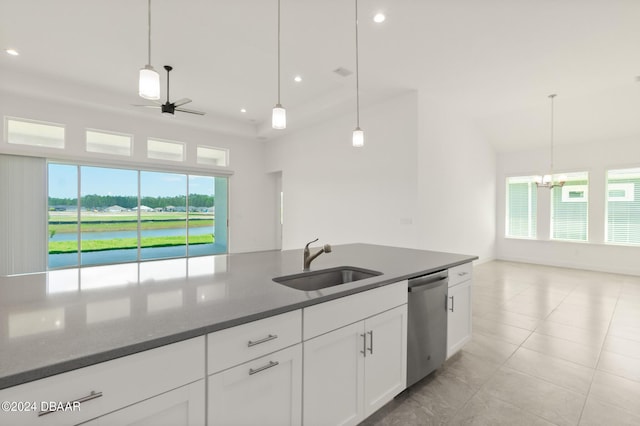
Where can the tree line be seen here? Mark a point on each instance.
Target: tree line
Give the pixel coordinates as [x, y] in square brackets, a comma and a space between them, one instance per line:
[130, 201]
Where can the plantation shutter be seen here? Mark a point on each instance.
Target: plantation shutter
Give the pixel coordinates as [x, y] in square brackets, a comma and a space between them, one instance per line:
[623, 206]
[569, 208]
[521, 206]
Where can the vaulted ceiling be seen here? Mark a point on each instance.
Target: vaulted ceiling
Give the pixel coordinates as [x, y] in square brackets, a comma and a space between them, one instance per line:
[494, 60]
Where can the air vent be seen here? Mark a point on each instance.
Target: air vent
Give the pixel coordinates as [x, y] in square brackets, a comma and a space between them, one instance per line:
[343, 72]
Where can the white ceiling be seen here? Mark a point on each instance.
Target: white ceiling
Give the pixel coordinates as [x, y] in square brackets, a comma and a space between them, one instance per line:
[495, 60]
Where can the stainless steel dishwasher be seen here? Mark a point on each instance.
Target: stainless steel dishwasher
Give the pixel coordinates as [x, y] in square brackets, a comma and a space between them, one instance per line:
[427, 324]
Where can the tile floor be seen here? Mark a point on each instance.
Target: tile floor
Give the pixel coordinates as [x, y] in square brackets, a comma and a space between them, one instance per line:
[551, 346]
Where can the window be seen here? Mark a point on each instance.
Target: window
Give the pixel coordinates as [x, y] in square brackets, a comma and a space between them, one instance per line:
[522, 199]
[108, 143]
[212, 156]
[165, 150]
[569, 208]
[34, 133]
[623, 206]
[129, 215]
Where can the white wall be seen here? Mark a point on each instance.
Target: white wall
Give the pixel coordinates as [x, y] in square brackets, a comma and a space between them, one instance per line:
[252, 209]
[456, 182]
[425, 179]
[342, 194]
[595, 158]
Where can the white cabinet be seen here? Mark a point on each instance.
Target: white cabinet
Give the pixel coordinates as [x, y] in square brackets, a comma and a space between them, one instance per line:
[184, 406]
[266, 391]
[459, 308]
[354, 370]
[112, 385]
[257, 370]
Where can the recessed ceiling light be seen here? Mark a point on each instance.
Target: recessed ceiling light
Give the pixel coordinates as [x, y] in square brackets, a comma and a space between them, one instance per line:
[297, 79]
[379, 18]
[242, 110]
[12, 52]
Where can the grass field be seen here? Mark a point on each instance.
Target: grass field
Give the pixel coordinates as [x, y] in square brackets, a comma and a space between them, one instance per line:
[126, 222]
[57, 247]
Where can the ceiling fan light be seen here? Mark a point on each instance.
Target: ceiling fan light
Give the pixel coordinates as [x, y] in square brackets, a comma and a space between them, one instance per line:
[279, 117]
[358, 137]
[149, 83]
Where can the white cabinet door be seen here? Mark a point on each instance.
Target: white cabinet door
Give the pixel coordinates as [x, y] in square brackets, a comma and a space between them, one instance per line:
[333, 377]
[385, 373]
[459, 317]
[183, 406]
[265, 391]
[351, 372]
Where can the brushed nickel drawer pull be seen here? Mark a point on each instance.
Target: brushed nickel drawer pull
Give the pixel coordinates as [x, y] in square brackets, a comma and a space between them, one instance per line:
[370, 341]
[92, 395]
[452, 302]
[266, 339]
[364, 345]
[264, 367]
[462, 274]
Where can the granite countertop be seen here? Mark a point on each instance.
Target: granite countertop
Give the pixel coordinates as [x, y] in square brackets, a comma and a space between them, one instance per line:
[57, 321]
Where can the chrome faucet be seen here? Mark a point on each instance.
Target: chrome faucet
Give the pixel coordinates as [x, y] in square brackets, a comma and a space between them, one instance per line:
[308, 257]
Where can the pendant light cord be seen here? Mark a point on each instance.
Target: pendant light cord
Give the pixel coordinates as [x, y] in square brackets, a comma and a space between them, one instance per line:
[552, 114]
[278, 52]
[357, 73]
[149, 33]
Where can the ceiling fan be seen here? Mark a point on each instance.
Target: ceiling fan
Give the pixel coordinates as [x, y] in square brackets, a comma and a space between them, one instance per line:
[171, 107]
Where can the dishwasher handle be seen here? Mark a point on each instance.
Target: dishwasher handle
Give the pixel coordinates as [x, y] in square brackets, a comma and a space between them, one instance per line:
[427, 282]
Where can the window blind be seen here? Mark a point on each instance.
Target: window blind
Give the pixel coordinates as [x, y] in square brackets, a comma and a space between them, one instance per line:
[570, 208]
[522, 199]
[623, 206]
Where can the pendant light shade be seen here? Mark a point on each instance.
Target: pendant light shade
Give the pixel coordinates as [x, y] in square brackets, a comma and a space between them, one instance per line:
[279, 115]
[358, 137]
[358, 134]
[149, 80]
[547, 180]
[149, 83]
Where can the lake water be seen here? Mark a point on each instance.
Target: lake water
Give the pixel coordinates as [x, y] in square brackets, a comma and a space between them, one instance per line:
[110, 235]
[131, 255]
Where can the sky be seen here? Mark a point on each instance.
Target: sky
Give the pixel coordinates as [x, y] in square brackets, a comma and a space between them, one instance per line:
[63, 182]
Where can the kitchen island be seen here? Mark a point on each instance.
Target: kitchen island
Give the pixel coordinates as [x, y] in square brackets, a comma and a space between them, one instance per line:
[60, 321]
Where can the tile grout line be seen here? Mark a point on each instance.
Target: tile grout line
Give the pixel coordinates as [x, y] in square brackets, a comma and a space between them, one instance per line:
[595, 370]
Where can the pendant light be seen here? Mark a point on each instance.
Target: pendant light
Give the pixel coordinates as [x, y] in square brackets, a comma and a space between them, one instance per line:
[149, 81]
[358, 133]
[279, 116]
[547, 181]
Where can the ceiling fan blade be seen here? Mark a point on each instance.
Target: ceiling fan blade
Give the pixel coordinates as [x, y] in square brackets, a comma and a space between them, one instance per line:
[146, 106]
[182, 101]
[190, 111]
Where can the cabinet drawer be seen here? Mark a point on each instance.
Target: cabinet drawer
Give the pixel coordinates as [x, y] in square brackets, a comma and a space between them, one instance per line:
[108, 386]
[235, 345]
[460, 273]
[324, 317]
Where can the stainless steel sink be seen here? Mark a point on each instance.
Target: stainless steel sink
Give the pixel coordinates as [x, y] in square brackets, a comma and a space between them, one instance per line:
[323, 278]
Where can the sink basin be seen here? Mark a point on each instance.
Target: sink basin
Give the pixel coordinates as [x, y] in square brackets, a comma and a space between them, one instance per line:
[323, 278]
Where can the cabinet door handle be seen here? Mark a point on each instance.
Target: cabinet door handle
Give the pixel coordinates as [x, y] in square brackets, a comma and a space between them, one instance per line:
[77, 402]
[266, 339]
[370, 341]
[364, 345]
[264, 367]
[452, 303]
